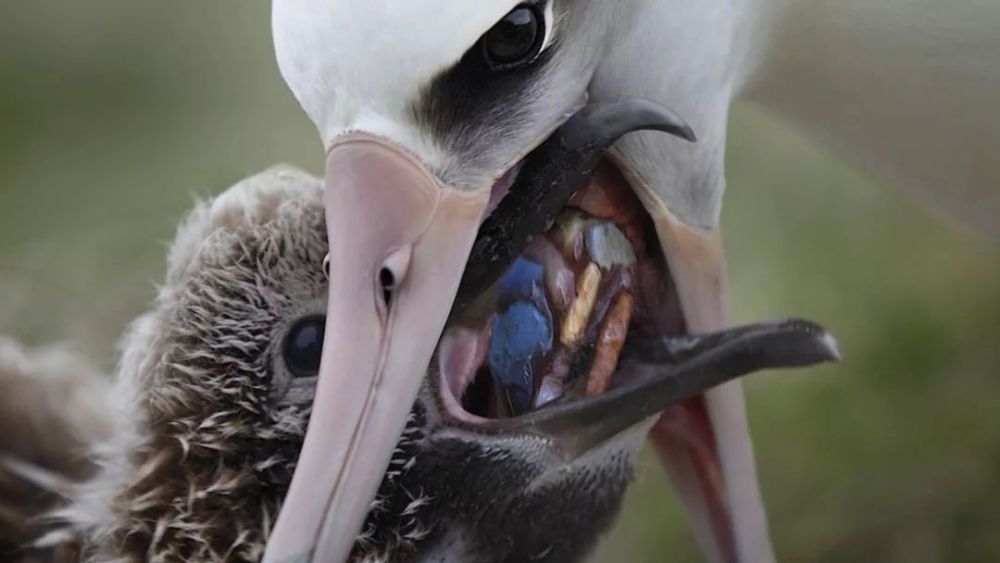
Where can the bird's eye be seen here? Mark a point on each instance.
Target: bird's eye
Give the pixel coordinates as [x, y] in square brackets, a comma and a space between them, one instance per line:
[304, 346]
[514, 40]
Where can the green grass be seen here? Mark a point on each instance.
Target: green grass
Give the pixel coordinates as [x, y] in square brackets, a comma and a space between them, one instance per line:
[114, 116]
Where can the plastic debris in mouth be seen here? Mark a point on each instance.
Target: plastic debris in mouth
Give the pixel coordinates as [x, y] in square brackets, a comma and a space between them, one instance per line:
[562, 312]
[552, 327]
[521, 334]
[586, 319]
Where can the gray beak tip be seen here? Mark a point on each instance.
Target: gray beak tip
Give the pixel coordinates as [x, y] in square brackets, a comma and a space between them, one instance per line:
[829, 344]
[824, 346]
[687, 134]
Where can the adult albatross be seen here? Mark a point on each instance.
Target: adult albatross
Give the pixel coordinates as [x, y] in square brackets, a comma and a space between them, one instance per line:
[432, 111]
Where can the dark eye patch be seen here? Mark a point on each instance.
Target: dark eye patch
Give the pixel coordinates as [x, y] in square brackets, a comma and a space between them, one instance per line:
[303, 346]
[472, 106]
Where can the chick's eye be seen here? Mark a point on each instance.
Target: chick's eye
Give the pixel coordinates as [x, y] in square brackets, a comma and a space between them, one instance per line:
[304, 346]
[514, 40]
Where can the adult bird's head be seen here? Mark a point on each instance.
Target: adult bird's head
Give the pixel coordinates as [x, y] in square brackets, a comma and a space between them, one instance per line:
[431, 112]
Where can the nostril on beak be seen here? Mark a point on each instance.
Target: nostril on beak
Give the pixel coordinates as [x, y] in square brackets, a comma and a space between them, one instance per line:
[388, 282]
[392, 273]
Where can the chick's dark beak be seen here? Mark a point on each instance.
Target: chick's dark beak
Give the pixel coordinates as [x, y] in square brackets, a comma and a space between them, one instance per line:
[667, 371]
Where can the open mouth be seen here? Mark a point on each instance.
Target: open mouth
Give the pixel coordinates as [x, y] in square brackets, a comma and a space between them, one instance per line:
[582, 335]
[553, 328]
[574, 327]
[565, 270]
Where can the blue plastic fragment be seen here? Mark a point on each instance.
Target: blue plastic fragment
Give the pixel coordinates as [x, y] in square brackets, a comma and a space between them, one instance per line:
[521, 335]
[519, 280]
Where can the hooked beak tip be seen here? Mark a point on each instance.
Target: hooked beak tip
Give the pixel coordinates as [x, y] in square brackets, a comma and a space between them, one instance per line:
[832, 347]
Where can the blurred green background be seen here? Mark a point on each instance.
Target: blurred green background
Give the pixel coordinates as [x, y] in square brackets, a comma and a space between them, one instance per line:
[115, 115]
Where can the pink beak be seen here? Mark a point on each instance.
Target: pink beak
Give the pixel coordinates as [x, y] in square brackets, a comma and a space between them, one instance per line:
[399, 240]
